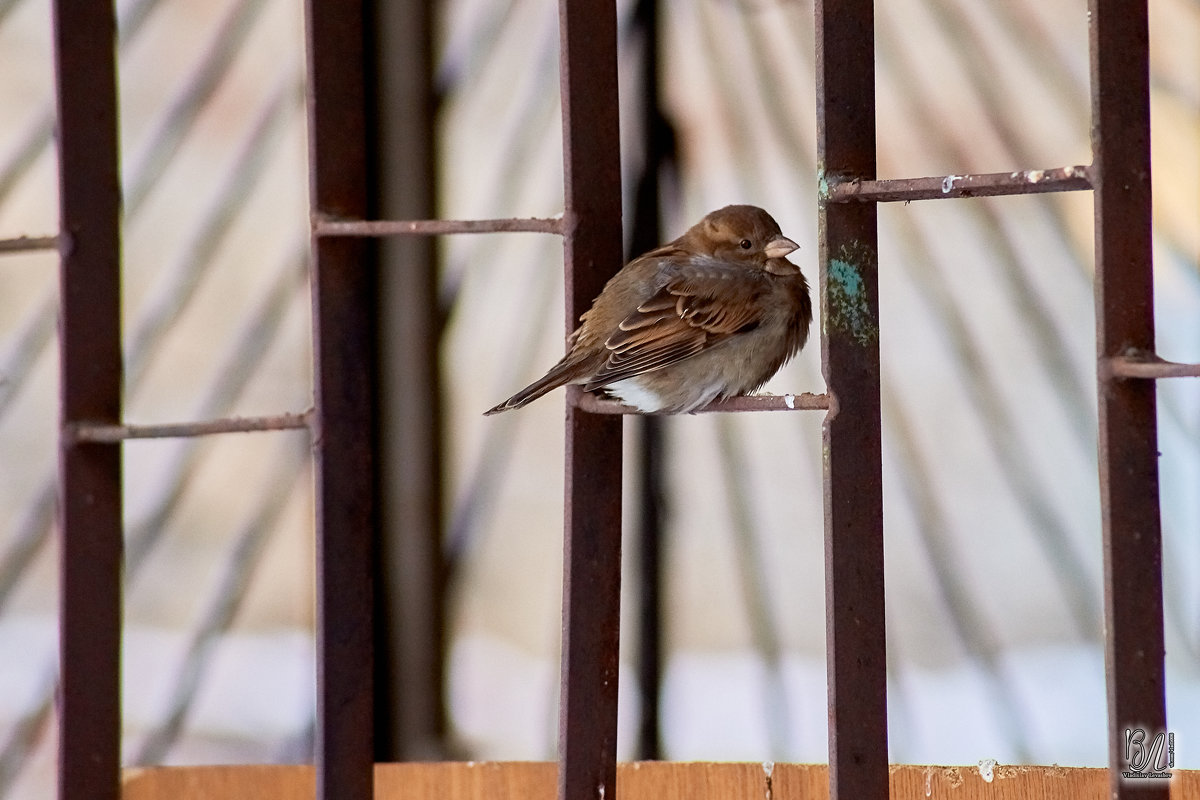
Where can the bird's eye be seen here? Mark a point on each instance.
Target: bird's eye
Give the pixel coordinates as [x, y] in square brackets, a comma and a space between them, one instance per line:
[744, 244]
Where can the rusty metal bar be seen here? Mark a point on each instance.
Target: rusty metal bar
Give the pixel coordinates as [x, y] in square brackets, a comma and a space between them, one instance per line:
[848, 256]
[344, 358]
[1132, 533]
[587, 733]
[25, 244]
[805, 401]
[1151, 368]
[94, 432]
[323, 226]
[994, 184]
[90, 508]
[645, 233]
[410, 710]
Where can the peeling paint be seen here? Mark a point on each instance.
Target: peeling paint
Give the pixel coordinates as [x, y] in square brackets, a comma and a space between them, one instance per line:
[847, 308]
[823, 188]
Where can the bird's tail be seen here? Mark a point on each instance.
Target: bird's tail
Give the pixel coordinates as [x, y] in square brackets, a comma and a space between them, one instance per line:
[560, 374]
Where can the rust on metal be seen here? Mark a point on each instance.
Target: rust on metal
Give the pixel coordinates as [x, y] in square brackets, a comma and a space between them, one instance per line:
[25, 244]
[343, 354]
[1149, 368]
[323, 226]
[804, 401]
[1132, 533]
[90, 507]
[95, 432]
[587, 735]
[995, 184]
[856, 668]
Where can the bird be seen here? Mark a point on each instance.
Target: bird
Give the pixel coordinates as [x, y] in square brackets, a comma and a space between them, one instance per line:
[710, 315]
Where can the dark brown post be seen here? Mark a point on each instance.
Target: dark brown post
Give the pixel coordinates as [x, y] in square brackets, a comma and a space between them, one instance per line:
[1133, 600]
[91, 382]
[592, 523]
[410, 652]
[855, 639]
[343, 350]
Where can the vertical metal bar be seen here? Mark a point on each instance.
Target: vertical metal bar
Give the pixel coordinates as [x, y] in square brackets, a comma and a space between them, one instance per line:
[650, 629]
[343, 352]
[592, 520]
[848, 255]
[410, 713]
[1133, 600]
[91, 378]
[657, 154]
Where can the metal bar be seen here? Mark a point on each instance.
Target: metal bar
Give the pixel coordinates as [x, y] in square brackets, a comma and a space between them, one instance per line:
[652, 491]
[94, 432]
[344, 359]
[1128, 442]
[657, 146]
[90, 508]
[994, 184]
[1150, 368]
[431, 227]
[587, 734]
[410, 720]
[25, 244]
[805, 401]
[853, 485]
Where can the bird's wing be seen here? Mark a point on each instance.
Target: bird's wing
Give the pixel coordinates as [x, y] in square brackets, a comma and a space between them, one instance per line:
[697, 308]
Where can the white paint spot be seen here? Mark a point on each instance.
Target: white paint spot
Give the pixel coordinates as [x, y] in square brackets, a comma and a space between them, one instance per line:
[789, 400]
[928, 782]
[986, 766]
[948, 183]
[768, 767]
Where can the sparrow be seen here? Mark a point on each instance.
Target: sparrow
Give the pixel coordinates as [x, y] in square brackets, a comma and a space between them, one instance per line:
[713, 314]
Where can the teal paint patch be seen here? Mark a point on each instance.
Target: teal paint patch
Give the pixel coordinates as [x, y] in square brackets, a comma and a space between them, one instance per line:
[847, 306]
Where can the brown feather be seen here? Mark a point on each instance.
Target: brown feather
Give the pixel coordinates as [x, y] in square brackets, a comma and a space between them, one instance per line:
[712, 314]
[699, 308]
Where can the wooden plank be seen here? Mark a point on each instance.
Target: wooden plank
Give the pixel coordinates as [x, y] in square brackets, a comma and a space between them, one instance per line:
[225, 782]
[650, 780]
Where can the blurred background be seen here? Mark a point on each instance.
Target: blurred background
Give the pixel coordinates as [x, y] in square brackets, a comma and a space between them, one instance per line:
[991, 501]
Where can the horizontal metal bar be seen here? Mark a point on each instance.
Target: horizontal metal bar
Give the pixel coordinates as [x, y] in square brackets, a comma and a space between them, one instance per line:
[993, 184]
[433, 227]
[22, 244]
[807, 401]
[92, 432]
[1147, 367]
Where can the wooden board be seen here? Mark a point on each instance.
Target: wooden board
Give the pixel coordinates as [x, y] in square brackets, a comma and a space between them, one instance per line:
[661, 780]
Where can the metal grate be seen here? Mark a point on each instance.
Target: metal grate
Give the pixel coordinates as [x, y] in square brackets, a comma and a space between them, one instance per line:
[347, 506]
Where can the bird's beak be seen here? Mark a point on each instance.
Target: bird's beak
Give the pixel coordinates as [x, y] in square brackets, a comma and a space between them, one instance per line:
[779, 247]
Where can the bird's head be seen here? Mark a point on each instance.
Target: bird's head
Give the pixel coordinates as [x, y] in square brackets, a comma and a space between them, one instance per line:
[742, 234]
